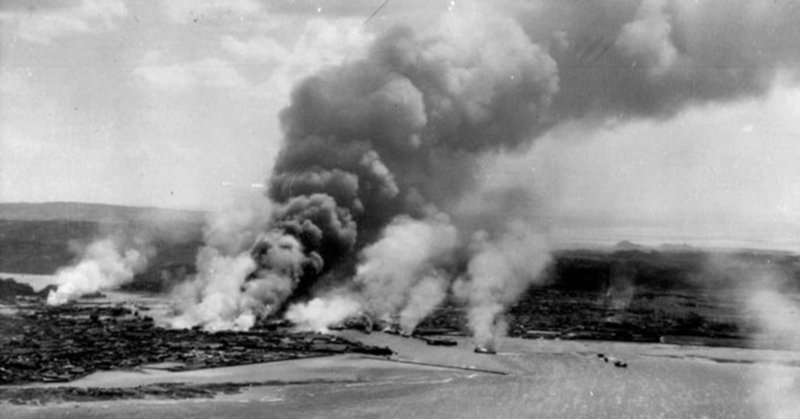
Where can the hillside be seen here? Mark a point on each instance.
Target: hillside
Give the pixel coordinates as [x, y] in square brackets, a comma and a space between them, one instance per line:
[40, 238]
[97, 213]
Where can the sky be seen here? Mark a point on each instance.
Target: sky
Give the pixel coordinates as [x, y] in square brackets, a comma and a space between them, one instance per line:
[176, 103]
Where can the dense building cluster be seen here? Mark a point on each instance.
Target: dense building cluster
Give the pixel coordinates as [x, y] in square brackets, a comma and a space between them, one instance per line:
[57, 344]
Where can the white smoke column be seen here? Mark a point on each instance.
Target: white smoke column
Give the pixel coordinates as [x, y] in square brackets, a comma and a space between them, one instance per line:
[778, 321]
[213, 298]
[409, 252]
[498, 273]
[761, 288]
[423, 298]
[104, 266]
[320, 313]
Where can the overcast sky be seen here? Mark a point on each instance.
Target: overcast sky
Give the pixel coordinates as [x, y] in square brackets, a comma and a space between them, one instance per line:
[175, 103]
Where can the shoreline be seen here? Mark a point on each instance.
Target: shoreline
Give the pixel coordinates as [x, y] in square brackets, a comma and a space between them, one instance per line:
[559, 379]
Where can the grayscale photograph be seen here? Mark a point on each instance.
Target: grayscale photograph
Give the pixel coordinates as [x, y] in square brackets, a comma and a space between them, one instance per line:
[400, 209]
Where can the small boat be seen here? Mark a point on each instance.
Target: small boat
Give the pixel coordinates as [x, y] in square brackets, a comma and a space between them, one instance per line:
[481, 349]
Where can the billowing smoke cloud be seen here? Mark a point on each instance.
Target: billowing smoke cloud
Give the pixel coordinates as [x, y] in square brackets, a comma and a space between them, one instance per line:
[632, 58]
[377, 149]
[404, 127]
[400, 279]
[106, 264]
[245, 270]
[500, 270]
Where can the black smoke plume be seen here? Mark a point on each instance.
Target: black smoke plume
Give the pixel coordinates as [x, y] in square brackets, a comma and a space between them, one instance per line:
[383, 148]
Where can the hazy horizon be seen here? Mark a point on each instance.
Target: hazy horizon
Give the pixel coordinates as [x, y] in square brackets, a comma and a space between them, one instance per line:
[570, 233]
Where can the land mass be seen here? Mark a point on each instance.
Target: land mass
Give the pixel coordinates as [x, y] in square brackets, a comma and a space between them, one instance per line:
[668, 294]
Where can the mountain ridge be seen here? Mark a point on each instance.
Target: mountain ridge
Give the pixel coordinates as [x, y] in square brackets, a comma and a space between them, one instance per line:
[93, 212]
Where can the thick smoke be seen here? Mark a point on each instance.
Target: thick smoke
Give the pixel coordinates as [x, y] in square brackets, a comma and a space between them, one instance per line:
[389, 140]
[399, 280]
[377, 150]
[653, 58]
[106, 264]
[404, 127]
[248, 267]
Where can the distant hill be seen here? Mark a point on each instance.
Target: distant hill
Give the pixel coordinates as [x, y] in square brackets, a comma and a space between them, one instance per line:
[40, 238]
[97, 213]
[627, 245]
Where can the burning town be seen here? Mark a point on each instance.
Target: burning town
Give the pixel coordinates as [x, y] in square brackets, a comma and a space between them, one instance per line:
[375, 208]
